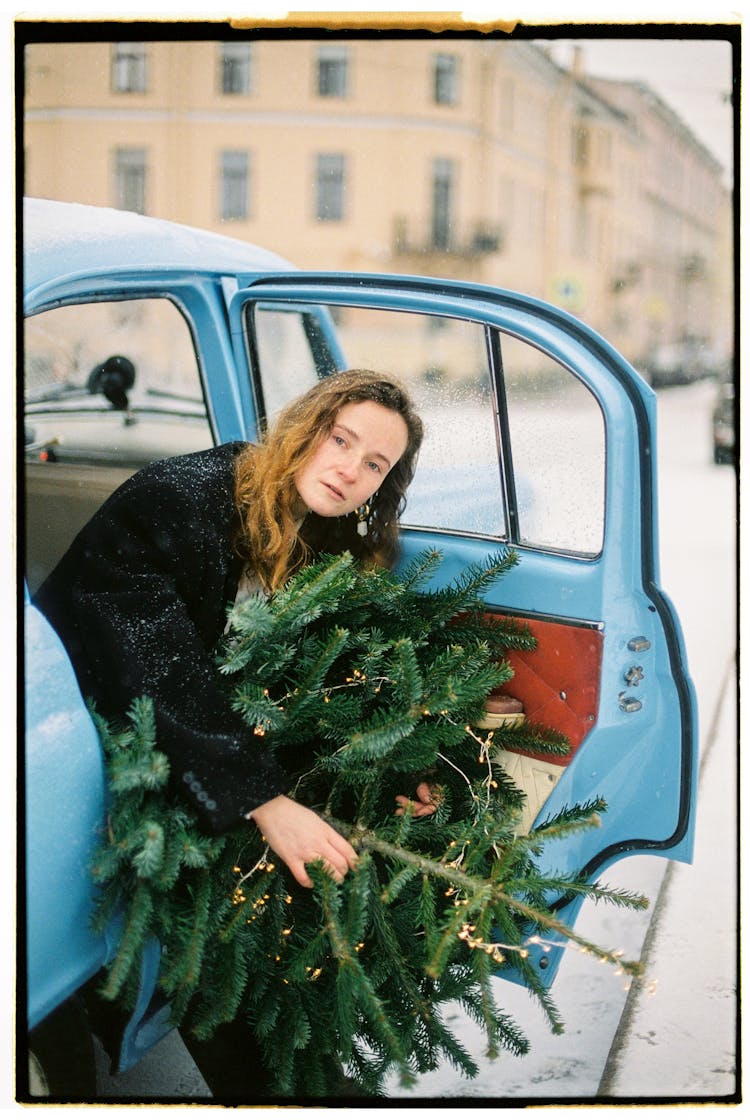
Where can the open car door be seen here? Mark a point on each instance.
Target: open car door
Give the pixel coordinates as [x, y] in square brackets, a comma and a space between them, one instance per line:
[539, 436]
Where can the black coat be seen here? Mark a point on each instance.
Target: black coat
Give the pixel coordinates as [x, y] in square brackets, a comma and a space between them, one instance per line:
[140, 601]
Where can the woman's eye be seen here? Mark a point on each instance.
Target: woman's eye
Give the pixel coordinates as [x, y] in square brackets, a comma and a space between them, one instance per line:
[374, 466]
[339, 440]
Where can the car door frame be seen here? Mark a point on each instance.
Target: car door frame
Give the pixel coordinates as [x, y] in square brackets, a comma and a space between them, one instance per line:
[626, 569]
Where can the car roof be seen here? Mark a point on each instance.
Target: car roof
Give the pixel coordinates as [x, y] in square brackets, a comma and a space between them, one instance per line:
[69, 238]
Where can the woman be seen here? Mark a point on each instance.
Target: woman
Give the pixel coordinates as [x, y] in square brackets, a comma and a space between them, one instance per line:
[141, 597]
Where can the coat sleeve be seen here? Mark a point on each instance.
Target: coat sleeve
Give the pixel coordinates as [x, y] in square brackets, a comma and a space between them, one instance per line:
[129, 601]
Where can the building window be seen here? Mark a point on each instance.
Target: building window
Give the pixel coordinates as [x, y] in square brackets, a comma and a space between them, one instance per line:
[443, 189]
[330, 180]
[580, 145]
[234, 190]
[130, 179]
[333, 77]
[235, 74]
[445, 79]
[129, 68]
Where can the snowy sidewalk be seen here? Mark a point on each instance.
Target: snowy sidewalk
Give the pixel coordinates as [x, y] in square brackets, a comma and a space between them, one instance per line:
[677, 1036]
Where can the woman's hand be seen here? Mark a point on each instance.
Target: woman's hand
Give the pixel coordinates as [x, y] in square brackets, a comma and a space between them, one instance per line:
[428, 799]
[299, 836]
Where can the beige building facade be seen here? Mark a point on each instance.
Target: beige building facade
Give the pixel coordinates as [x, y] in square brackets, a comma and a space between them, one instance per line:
[472, 158]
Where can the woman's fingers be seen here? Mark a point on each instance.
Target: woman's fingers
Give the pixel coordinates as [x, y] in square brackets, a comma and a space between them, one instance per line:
[299, 836]
[424, 806]
[404, 802]
[344, 851]
[299, 871]
[427, 794]
[334, 864]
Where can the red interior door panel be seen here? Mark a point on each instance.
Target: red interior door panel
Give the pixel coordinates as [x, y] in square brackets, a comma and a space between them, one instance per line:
[558, 682]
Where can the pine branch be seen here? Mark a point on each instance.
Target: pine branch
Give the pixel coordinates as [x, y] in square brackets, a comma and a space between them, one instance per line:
[250, 622]
[319, 587]
[131, 942]
[421, 570]
[468, 590]
[182, 975]
[318, 660]
[353, 984]
[534, 738]
[481, 893]
[598, 892]
[382, 732]
[148, 860]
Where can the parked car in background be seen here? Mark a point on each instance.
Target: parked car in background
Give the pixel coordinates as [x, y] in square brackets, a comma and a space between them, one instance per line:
[682, 362]
[145, 339]
[723, 423]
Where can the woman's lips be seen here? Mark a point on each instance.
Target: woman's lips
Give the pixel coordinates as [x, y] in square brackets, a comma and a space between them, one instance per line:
[334, 491]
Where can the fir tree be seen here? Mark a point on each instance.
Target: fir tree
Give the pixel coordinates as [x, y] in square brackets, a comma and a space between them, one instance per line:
[361, 683]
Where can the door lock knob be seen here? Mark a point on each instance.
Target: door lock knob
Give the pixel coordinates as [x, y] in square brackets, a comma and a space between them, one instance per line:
[634, 675]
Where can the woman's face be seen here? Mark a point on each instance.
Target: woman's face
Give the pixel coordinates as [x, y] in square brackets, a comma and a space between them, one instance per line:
[366, 441]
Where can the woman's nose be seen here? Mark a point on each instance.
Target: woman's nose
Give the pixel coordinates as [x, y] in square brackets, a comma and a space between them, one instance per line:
[347, 468]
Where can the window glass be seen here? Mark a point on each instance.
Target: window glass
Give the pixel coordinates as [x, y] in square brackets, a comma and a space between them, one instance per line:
[443, 182]
[445, 79]
[234, 187]
[292, 352]
[129, 70]
[330, 184]
[557, 440]
[130, 179]
[234, 68]
[444, 364]
[108, 388]
[332, 72]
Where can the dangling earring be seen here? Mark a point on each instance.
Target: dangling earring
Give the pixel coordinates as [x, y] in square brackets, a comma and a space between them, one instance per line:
[363, 523]
[363, 515]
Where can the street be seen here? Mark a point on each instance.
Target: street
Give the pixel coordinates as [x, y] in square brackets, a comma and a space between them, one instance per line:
[673, 1035]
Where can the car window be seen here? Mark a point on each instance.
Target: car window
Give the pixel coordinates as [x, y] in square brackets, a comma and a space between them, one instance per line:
[525, 463]
[108, 387]
[558, 444]
[117, 370]
[292, 352]
[444, 363]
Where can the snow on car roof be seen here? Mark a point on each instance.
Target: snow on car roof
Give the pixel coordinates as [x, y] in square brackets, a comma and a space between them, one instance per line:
[68, 238]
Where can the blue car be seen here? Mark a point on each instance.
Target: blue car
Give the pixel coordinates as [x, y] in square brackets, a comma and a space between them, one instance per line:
[145, 339]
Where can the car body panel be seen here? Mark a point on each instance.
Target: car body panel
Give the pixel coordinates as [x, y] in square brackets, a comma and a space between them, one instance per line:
[65, 797]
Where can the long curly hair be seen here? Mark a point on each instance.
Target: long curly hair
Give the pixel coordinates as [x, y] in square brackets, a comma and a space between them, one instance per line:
[271, 541]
